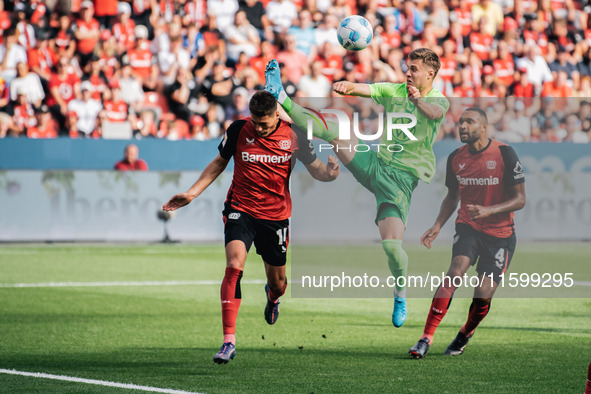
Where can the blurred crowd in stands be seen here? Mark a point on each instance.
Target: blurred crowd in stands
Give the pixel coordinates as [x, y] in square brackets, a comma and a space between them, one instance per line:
[185, 69]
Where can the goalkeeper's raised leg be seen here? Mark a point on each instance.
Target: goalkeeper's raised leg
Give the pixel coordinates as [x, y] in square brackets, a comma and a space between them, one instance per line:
[302, 117]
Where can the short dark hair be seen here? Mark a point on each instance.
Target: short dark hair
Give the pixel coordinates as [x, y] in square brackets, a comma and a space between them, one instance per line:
[262, 104]
[480, 112]
[429, 58]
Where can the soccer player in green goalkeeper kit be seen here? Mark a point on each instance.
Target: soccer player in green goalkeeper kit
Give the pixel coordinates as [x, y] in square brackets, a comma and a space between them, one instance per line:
[390, 174]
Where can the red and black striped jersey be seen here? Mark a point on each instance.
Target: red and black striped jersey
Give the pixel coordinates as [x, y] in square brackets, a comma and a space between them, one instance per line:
[262, 166]
[484, 178]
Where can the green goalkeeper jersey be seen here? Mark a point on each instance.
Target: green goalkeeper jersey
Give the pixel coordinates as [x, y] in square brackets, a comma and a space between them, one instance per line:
[417, 157]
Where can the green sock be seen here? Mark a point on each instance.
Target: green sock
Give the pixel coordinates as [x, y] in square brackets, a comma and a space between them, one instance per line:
[301, 116]
[397, 259]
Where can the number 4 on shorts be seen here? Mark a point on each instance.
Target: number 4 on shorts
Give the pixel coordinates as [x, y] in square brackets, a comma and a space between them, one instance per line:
[500, 258]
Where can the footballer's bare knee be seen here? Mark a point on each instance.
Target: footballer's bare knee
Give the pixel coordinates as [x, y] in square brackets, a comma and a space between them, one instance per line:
[235, 255]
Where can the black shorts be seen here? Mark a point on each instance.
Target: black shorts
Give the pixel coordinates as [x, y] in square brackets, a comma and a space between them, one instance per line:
[270, 237]
[492, 254]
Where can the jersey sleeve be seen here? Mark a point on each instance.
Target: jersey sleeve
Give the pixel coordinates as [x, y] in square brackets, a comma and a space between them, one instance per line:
[513, 174]
[305, 150]
[450, 177]
[227, 147]
[440, 101]
[385, 90]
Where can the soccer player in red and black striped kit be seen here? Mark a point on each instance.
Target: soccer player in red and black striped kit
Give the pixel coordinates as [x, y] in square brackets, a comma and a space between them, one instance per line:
[487, 177]
[258, 204]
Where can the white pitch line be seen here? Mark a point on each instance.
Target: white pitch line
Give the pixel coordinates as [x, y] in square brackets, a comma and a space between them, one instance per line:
[126, 284]
[128, 386]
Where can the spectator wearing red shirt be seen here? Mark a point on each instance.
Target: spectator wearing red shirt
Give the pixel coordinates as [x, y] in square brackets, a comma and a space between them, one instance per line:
[5, 21]
[42, 59]
[46, 127]
[296, 61]
[4, 94]
[72, 125]
[390, 37]
[24, 114]
[140, 58]
[258, 63]
[481, 42]
[63, 41]
[562, 36]
[467, 87]
[115, 108]
[490, 88]
[534, 34]
[558, 87]
[39, 12]
[87, 33]
[131, 160]
[504, 65]
[332, 61]
[107, 51]
[523, 88]
[194, 13]
[124, 28]
[198, 130]
[449, 64]
[463, 15]
[96, 77]
[64, 86]
[104, 11]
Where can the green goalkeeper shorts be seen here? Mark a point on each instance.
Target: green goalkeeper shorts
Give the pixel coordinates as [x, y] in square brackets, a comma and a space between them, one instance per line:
[392, 187]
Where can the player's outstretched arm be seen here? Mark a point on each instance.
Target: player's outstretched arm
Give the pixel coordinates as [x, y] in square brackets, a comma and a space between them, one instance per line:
[211, 172]
[515, 202]
[346, 88]
[324, 172]
[448, 207]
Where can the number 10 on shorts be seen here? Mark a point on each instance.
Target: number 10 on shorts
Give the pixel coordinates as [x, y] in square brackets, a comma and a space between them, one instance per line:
[282, 235]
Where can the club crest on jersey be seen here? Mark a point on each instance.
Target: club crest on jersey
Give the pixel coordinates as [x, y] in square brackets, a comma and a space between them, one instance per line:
[234, 216]
[491, 165]
[284, 144]
[249, 141]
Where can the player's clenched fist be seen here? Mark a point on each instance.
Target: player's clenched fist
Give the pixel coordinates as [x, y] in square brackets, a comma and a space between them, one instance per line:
[342, 87]
[413, 93]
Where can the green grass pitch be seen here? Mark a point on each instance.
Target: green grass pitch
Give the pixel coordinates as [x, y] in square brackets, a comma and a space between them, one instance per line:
[166, 336]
